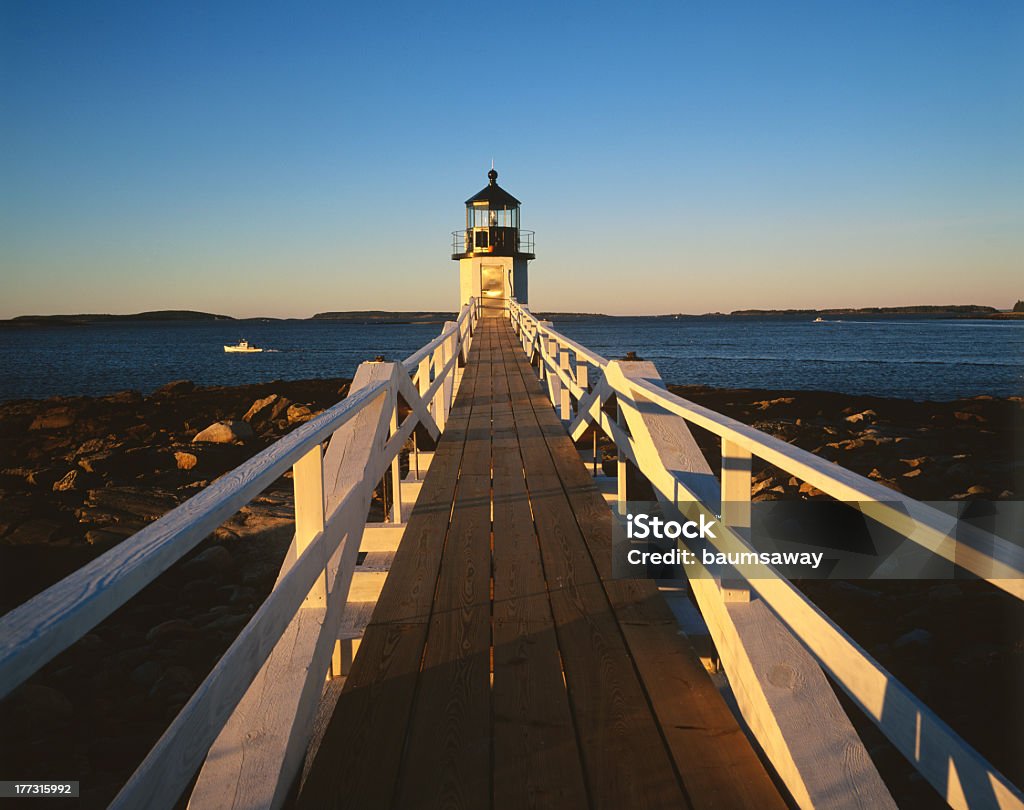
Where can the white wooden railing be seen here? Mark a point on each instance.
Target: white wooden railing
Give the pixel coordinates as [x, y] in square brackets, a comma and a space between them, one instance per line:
[289, 643]
[781, 693]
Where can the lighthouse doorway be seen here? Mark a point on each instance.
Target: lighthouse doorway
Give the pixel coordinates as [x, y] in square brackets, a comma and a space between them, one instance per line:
[492, 288]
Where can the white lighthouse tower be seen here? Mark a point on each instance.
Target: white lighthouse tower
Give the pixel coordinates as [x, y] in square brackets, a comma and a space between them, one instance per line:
[492, 250]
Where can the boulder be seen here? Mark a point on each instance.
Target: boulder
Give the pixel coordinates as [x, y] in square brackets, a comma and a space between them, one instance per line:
[91, 446]
[146, 673]
[225, 432]
[124, 398]
[170, 629]
[215, 560]
[913, 638]
[765, 404]
[54, 419]
[298, 413]
[175, 680]
[68, 482]
[33, 532]
[122, 510]
[36, 708]
[175, 387]
[810, 490]
[185, 461]
[266, 410]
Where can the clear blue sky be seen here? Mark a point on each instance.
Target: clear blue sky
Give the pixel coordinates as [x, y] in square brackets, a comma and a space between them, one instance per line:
[677, 157]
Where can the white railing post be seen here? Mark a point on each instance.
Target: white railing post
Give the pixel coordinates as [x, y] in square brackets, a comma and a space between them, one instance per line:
[735, 510]
[582, 374]
[448, 385]
[736, 461]
[554, 382]
[565, 405]
[620, 462]
[423, 382]
[308, 483]
[437, 361]
[396, 462]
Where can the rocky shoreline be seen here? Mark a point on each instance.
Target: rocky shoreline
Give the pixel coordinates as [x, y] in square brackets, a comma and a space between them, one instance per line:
[77, 475]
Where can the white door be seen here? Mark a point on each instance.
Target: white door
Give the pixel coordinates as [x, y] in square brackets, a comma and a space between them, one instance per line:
[492, 287]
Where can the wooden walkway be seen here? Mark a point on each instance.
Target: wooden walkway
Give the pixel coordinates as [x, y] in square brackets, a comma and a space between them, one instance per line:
[503, 666]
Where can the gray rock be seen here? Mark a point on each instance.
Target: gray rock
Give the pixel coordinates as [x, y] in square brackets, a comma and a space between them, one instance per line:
[170, 629]
[67, 483]
[175, 680]
[225, 432]
[215, 560]
[227, 624]
[185, 461]
[92, 446]
[146, 673]
[914, 638]
[31, 532]
[54, 419]
[175, 387]
[42, 706]
[266, 410]
[299, 413]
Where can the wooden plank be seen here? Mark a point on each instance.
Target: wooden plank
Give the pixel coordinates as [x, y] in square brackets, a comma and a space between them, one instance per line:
[625, 759]
[447, 760]
[358, 760]
[447, 754]
[536, 756]
[715, 760]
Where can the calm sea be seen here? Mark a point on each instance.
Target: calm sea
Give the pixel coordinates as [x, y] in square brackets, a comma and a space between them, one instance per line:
[919, 359]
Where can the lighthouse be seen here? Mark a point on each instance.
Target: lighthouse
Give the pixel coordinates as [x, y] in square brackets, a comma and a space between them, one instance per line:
[492, 250]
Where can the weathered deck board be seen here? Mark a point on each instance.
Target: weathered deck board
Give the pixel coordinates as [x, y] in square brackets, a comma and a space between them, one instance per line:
[502, 667]
[624, 755]
[447, 761]
[714, 758]
[360, 754]
[537, 761]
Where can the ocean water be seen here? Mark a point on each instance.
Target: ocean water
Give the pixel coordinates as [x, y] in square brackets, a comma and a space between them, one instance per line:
[918, 359]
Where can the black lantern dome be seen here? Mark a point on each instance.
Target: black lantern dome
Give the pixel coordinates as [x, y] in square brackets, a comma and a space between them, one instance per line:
[492, 225]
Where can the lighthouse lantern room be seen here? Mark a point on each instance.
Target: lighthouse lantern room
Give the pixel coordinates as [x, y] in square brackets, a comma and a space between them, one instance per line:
[492, 250]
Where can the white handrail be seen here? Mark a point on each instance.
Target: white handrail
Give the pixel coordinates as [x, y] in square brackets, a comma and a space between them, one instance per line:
[35, 632]
[982, 553]
[953, 767]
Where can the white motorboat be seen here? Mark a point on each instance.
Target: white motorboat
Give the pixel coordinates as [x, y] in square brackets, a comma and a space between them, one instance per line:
[242, 346]
[816, 320]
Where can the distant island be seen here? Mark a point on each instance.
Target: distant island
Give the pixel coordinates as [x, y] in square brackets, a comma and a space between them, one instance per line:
[80, 320]
[382, 317]
[956, 310]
